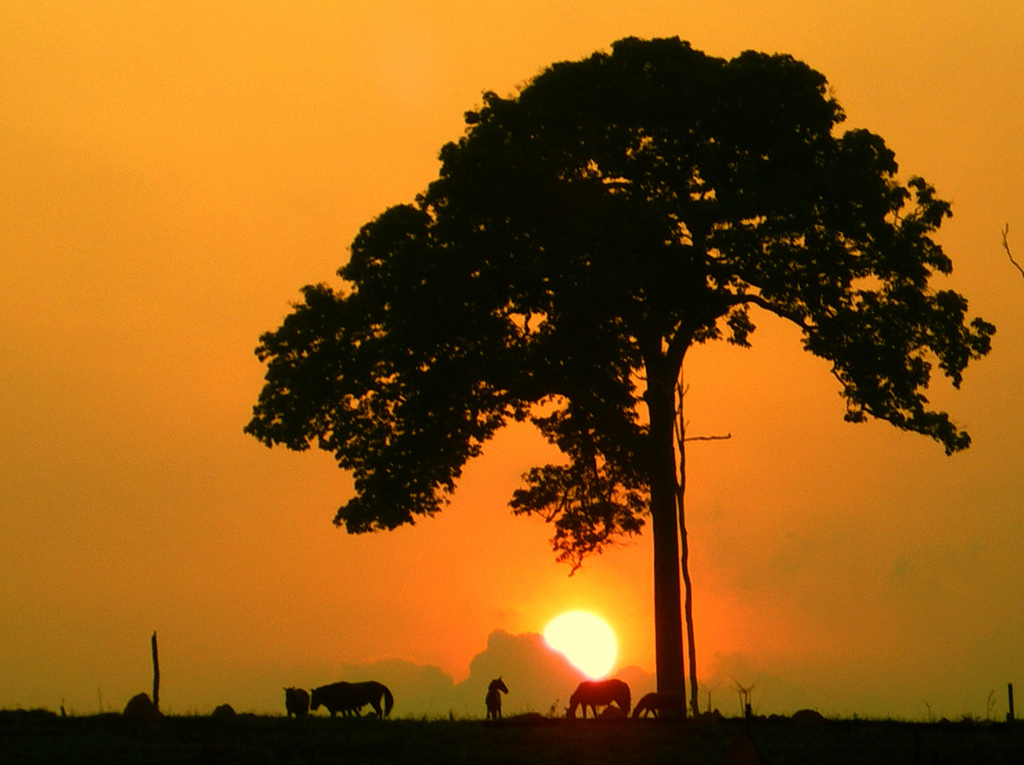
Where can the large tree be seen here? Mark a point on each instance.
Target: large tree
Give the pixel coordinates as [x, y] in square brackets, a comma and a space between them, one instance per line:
[581, 238]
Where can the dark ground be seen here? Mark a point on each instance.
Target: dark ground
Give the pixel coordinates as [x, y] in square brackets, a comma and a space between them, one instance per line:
[42, 737]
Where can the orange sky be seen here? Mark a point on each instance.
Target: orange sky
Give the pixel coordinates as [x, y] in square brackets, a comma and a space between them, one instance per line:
[172, 173]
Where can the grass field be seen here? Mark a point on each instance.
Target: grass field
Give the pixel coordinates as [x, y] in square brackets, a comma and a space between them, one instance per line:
[43, 737]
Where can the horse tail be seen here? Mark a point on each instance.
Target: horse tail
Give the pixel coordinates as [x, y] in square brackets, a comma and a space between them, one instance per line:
[389, 700]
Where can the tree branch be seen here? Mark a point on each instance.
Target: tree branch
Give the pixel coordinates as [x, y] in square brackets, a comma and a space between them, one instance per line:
[1006, 246]
[760, 302]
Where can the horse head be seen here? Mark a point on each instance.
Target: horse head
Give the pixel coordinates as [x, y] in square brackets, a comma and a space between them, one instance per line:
[574, 702]
[622, 696]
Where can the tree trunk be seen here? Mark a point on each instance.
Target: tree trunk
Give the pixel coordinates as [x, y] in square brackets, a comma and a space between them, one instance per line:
[668, 631]
[685, 565]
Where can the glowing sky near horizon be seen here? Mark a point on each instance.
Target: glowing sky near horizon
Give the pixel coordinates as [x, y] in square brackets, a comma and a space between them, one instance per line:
[173, 173]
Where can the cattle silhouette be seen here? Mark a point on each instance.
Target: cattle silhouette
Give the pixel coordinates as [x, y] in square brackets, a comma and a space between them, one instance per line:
[296, 701]
[349, 698]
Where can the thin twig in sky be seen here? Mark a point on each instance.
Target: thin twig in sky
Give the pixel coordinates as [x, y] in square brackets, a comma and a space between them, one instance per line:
[1006, 246]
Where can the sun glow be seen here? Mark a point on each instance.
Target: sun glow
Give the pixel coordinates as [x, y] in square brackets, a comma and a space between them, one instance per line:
[586, 640]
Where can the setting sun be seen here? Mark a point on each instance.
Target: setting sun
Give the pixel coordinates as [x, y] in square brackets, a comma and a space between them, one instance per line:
[585, 639]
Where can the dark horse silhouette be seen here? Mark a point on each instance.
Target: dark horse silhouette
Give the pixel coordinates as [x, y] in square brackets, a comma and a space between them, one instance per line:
[656, 703]
[494, 691]
[598, 694]
[349, 698]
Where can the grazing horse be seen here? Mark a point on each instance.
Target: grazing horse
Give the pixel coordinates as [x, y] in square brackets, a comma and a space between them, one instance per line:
[598, 694]
[494, 691]
[296, 701]
[656, 703]
[349, 698]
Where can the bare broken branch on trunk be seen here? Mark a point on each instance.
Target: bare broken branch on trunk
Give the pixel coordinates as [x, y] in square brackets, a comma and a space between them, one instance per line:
[1006, 246]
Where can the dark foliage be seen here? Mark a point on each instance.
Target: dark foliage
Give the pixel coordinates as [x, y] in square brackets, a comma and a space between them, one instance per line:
[581, 237]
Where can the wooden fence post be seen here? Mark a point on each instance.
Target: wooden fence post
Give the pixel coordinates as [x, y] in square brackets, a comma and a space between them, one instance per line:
[156, 675]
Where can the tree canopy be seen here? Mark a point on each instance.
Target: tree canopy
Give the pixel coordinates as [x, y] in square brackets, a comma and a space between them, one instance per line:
[582, 236]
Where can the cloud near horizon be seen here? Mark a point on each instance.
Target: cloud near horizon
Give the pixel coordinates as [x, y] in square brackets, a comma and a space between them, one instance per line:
[539, 679]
